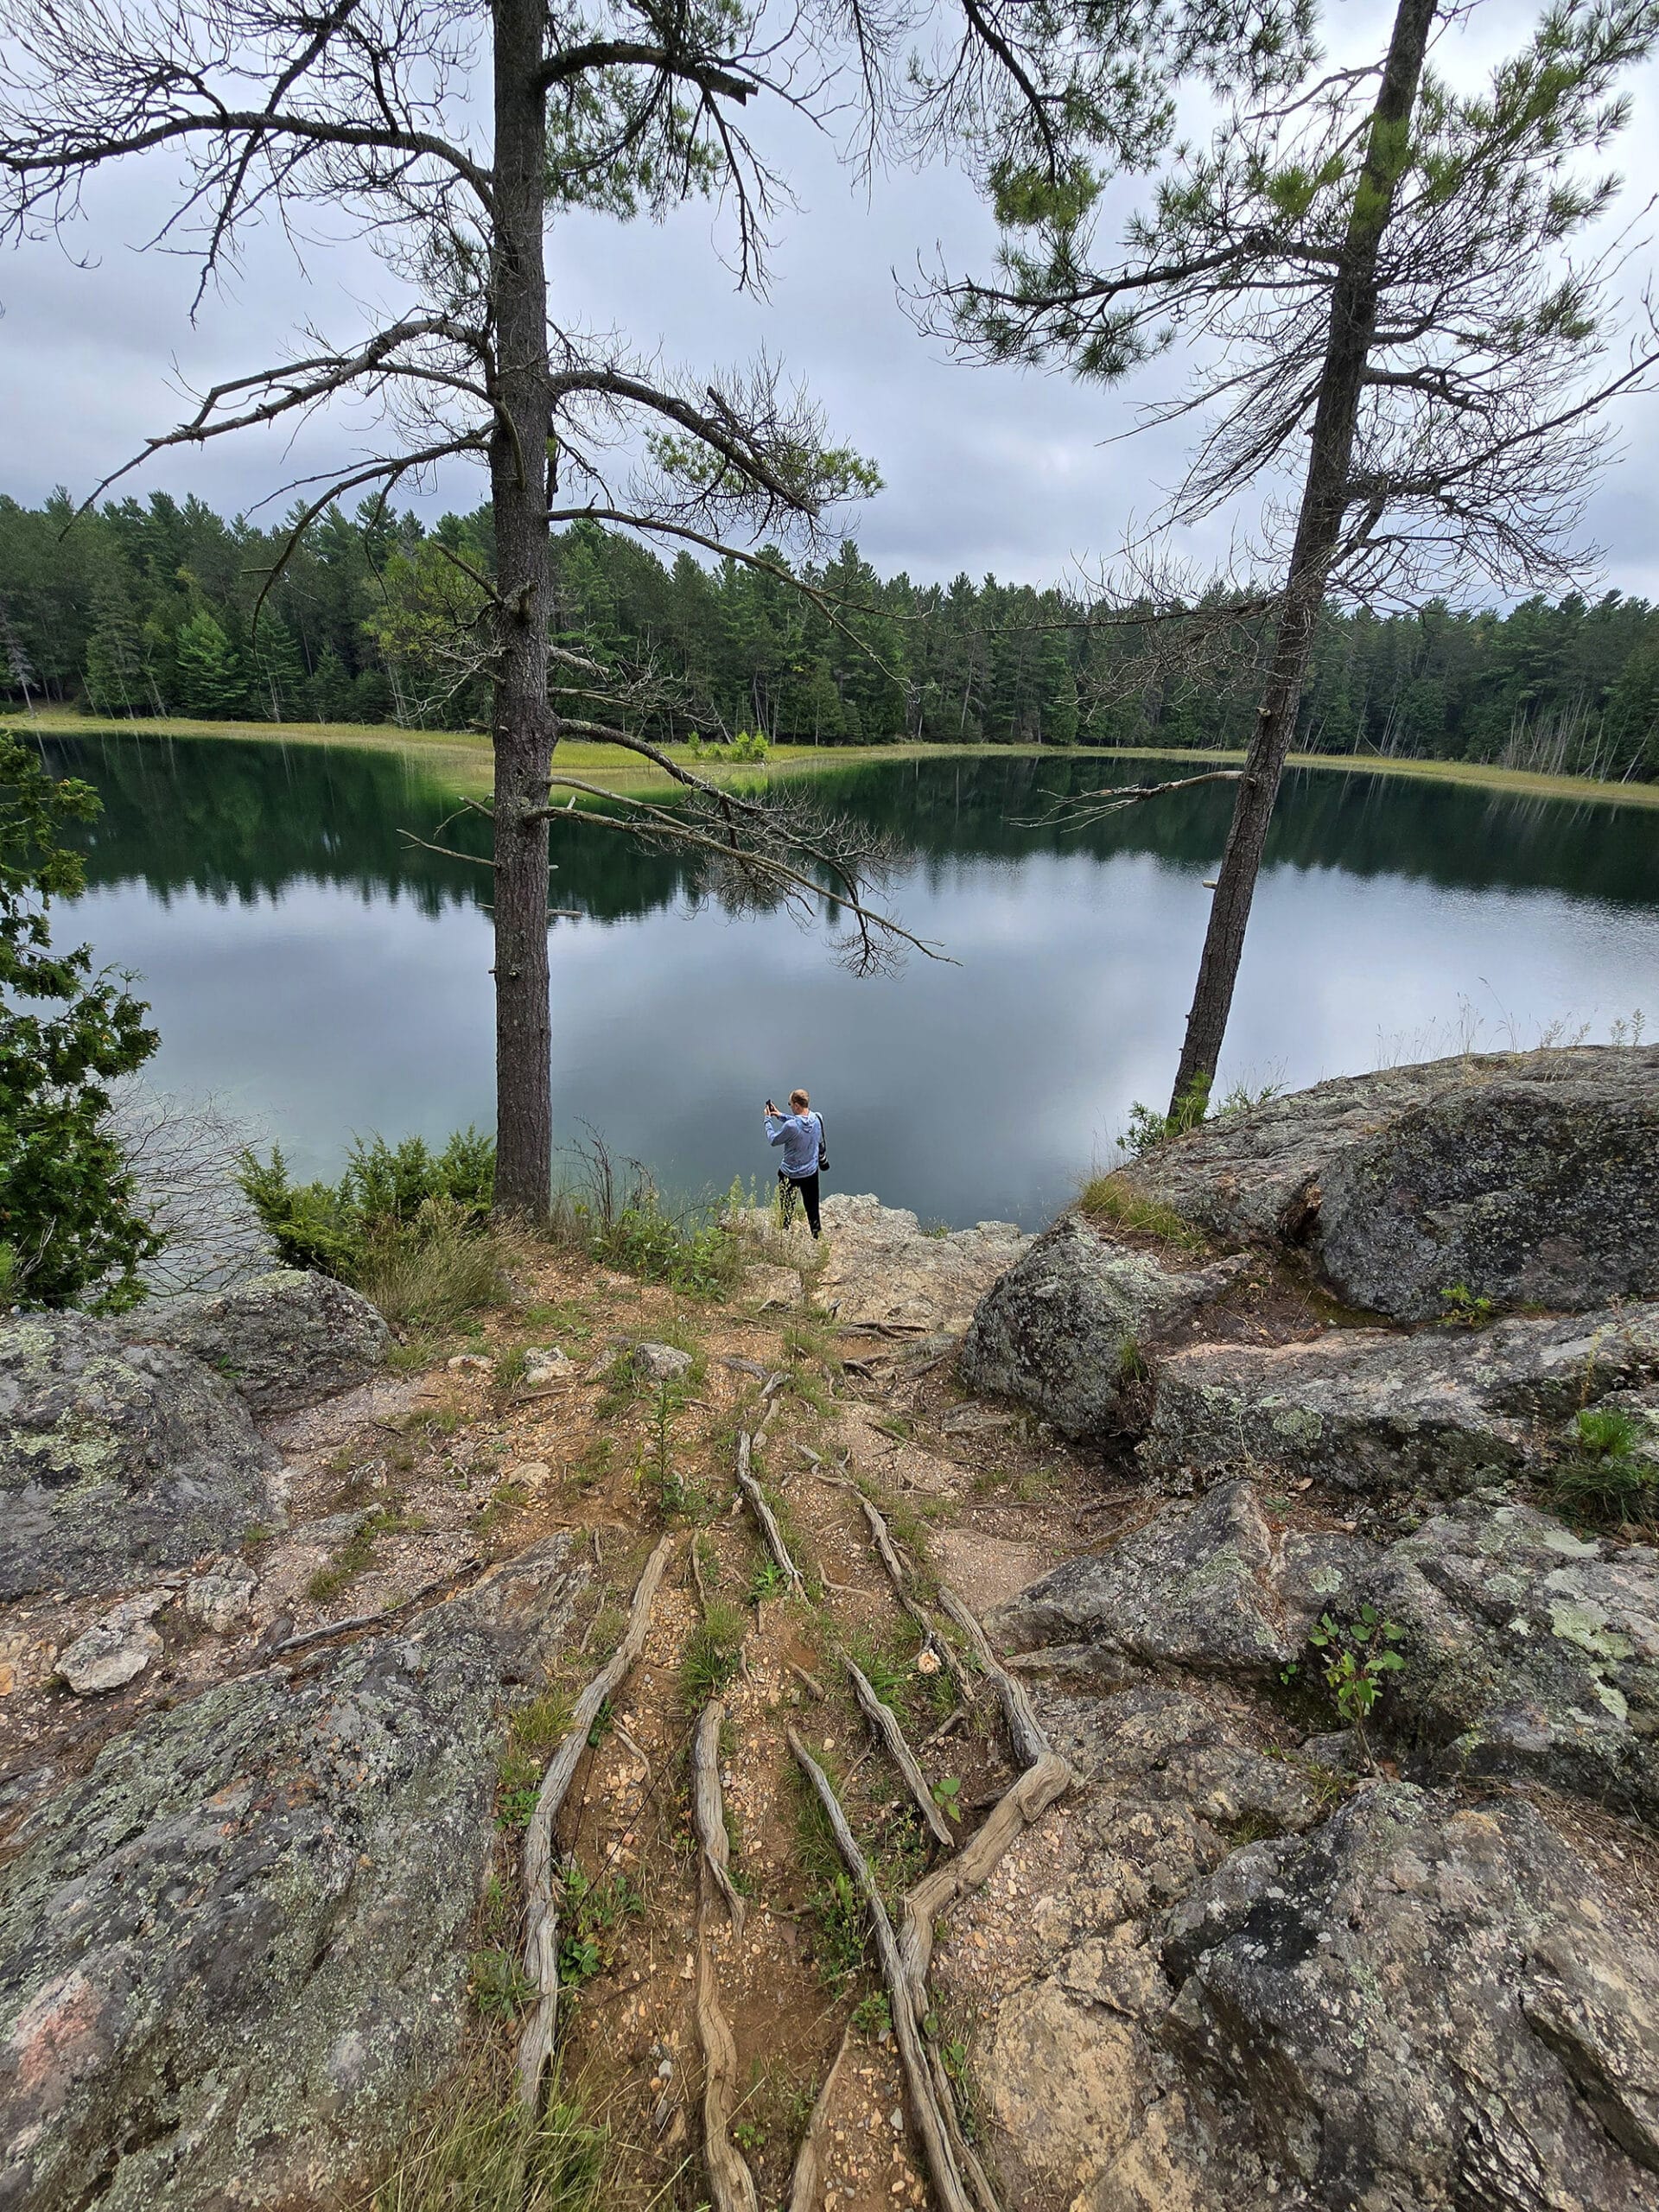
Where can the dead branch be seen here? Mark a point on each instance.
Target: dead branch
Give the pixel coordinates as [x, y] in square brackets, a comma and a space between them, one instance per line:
[764, 1514]
[541, 1911]
[1081, 810]
[885, 1722]
[931, 2125]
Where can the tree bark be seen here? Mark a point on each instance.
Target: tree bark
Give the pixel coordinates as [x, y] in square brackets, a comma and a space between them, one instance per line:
[1318, 525]
[523, 730]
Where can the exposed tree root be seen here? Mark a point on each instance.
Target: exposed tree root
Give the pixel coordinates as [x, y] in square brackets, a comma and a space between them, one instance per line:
[541, 1908]
[709, 1810]
[764, 1514]
[806, 2183]
[886, 1722]
[943, 2166]
[959, 2179]
[942, 1647]
[731, 2185]
[1019, 1714]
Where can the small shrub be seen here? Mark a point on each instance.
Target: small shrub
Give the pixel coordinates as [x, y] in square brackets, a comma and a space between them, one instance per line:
[1463, 1308]
[872, 2015]
[1356, 1657]
[405, 1225]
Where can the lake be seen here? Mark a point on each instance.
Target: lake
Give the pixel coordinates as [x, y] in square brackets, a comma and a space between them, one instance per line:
[323, 976]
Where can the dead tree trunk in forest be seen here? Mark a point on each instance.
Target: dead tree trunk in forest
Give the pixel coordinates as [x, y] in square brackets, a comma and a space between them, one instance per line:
[1319, 526]
[523, 731]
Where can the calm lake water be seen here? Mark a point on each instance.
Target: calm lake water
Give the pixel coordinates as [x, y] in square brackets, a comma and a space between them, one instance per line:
[323, 977]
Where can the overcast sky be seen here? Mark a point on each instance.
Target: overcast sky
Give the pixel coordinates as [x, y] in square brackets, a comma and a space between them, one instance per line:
[1021, 474]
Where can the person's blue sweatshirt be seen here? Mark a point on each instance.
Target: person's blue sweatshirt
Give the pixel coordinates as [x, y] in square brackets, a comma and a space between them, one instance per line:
[798, 1134]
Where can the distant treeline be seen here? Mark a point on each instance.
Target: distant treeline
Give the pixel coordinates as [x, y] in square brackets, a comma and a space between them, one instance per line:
[147, 608]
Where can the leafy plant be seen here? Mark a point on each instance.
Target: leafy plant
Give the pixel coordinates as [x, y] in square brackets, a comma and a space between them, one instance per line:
[947, 1796]
[768, 1581]
[70, 1217]
[1463, 1308]
[872, 2015]
[597, 1911]
[1357, 1657]
[499, 1985]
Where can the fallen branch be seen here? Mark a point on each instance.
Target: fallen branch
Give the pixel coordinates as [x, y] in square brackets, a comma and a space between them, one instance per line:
[541, 1911]
[886, 1722]
[764, 1515]
[806, 2184]
[731, 2185]
[943, 2164]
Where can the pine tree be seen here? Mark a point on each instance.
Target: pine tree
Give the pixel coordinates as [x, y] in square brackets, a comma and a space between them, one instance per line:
[211, 681]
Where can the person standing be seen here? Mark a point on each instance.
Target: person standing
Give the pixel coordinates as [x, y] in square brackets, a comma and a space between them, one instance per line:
[800, 1132]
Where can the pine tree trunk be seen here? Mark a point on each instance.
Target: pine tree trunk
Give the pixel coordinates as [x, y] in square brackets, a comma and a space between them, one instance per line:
[523, 730]
[1319, 526]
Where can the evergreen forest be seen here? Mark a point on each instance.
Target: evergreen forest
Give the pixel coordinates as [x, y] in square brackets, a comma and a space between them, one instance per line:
[161, 606]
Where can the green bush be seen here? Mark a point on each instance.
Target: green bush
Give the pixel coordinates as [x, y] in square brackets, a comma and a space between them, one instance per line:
[69, 1217]
[407, 1226]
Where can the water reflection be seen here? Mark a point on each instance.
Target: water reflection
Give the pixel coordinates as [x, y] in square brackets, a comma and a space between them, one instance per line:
[306, 959]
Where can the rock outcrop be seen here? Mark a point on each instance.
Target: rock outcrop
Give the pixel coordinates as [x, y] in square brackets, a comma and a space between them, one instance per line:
[1441, 1412]
[1207, 1587]
[1527, 1178]
[882, 1269]
[1530, 1652]
[117, 1457]
[1067, 1330]
[234, 1954]
[1425, 2004]
[285, 1339]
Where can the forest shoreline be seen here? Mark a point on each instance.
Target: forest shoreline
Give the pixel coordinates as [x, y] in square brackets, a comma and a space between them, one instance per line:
[462, 759]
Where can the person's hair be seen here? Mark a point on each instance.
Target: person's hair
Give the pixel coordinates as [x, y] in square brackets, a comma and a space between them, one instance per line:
[799, 1101]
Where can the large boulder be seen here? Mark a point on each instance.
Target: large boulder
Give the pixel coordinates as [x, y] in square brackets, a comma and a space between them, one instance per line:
[1528, 1652]
[285, 1339]
[233, 1956]
[1424, 2006]
[880, 1269]
[1065, 1331]
[1207, 1587]
[1527, 1178]
[116, 1458]
[1443, 1411]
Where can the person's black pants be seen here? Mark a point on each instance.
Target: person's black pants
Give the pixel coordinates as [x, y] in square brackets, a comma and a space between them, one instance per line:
[808, 1187]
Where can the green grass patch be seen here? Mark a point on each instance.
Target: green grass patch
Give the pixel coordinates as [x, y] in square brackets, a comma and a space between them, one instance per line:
[1108, 1198]
[357, 1553]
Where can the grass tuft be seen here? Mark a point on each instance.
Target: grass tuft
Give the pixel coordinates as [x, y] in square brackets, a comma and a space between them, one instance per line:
[1108, 1197]
[477, 2149]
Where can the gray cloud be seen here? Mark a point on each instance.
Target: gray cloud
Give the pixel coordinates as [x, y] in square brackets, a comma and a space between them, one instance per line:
[1021, 474]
